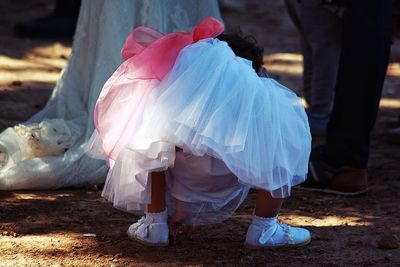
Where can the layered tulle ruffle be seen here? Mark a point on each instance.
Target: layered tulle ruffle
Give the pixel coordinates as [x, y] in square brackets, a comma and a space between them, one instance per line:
[211, 102]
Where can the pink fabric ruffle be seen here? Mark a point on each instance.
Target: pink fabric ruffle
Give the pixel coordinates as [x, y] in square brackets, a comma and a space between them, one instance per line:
[149, 55]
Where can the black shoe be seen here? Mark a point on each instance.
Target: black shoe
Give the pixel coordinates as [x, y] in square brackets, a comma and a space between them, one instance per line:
[345, 180]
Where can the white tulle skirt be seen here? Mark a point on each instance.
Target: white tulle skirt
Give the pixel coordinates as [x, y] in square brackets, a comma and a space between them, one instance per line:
[212, 103]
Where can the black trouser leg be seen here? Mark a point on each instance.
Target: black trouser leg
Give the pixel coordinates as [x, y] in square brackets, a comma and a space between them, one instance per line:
[365, 52]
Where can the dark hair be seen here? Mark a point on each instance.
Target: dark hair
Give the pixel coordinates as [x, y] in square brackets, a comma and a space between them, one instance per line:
[246, 47]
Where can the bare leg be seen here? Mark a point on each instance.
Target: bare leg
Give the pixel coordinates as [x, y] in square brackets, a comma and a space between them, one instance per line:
[155, 219]
[266, 205]
[157, 193]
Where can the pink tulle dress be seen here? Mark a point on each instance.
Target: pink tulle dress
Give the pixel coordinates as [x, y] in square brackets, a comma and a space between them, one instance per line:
[189, 90]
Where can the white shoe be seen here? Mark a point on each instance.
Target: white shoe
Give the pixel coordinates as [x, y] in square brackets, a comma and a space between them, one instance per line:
[151, 229]
[270, 233]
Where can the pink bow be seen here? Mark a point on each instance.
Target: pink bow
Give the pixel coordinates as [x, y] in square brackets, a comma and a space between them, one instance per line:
[152, 54]
[149, 55]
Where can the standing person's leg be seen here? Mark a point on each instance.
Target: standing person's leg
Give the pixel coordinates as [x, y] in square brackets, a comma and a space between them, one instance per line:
[339, 165]
[266, 231]
[322, 30]
[293, 9]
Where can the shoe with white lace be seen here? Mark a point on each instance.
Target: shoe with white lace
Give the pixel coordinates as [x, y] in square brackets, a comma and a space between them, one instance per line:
[270, 233]
[151, 229]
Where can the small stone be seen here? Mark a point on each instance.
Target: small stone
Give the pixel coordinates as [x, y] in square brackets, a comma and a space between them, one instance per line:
[315, 236]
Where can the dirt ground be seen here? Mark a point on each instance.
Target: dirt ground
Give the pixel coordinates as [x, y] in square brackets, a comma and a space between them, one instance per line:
[76, 227]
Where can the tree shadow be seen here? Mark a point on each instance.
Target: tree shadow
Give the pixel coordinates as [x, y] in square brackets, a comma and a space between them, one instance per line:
[69, 214]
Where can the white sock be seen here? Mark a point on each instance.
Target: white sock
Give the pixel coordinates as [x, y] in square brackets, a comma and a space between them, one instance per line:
[158, 217]
[264, 222]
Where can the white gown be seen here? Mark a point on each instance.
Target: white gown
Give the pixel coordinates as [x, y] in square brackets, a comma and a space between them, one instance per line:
[32, 156]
